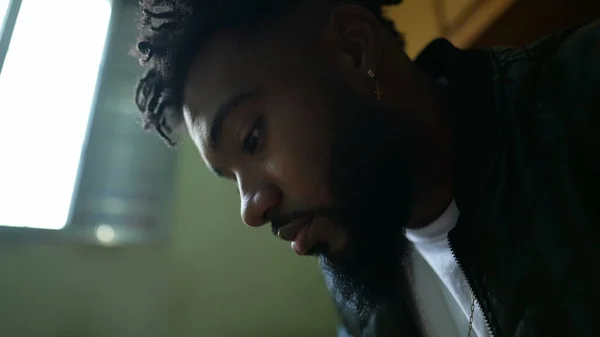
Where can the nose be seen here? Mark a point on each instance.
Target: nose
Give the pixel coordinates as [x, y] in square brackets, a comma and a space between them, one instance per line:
[255, 204]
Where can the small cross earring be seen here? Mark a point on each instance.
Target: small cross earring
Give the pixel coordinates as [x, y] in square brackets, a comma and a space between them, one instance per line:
[377, 91]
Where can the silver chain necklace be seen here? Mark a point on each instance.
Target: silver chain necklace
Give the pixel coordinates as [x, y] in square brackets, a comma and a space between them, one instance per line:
[471, 318]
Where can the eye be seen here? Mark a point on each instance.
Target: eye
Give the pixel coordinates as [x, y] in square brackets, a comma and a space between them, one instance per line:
[252, 140]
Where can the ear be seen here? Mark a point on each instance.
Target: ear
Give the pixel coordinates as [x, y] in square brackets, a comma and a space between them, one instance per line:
[358, 34]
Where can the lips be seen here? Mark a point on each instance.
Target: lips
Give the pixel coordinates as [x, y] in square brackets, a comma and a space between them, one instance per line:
[297, 232]
[291, 230]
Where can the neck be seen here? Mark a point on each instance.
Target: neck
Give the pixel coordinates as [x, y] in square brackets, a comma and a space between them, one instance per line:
[432, 157]
[422, 106]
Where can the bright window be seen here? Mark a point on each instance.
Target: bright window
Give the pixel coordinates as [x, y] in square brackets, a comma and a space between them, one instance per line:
[47, 87]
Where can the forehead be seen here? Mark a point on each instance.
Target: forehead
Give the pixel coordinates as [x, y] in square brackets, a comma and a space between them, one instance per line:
[219, 70]
[232, 64]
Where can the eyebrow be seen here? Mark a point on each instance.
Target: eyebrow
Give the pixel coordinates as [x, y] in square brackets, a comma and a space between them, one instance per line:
[226, 108]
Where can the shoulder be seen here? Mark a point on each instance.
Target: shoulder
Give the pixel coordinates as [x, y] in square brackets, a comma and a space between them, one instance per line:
[575, 48]
[570, 59]
[574, 63]
[556, 79]
[568, 76]
[581, 48]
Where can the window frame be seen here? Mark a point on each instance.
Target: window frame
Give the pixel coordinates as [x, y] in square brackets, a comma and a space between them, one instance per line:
[7, 28]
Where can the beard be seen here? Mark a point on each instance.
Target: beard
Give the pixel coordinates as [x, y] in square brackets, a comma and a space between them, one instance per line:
[372, 181]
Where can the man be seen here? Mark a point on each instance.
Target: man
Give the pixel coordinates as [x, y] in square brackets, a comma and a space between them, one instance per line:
[483, 163]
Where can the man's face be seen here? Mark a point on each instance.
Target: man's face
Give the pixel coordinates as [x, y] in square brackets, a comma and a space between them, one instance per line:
[312, 152]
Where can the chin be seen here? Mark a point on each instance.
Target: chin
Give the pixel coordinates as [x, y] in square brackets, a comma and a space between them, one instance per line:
[319, 250]
[349, 288]
[366, 271]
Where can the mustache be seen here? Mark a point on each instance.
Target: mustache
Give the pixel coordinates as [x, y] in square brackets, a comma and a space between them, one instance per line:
[279, 220]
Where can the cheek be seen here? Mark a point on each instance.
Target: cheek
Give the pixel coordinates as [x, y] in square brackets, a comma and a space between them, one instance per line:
[301, 168]
[298, 143]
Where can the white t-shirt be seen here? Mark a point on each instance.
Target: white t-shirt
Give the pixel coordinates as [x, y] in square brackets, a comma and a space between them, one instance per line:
[441, 290]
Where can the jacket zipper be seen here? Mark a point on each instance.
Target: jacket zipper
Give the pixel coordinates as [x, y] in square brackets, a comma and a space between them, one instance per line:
[470, 284]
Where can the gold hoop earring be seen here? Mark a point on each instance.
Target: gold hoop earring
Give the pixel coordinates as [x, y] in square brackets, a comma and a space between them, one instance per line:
[378, 93]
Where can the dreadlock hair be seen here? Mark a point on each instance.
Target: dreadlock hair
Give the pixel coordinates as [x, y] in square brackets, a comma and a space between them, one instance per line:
[172, 31]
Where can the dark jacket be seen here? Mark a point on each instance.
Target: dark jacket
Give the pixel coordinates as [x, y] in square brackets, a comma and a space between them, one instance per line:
[527, 186]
